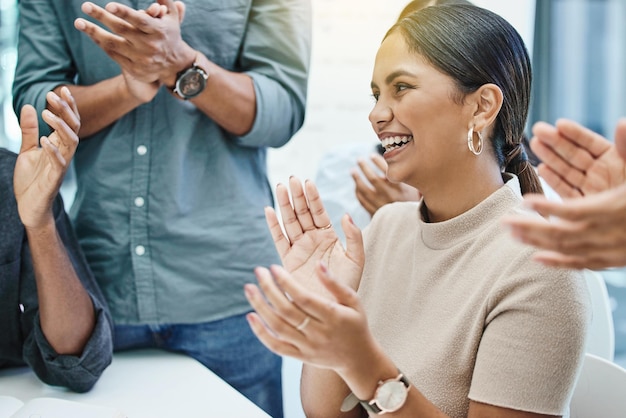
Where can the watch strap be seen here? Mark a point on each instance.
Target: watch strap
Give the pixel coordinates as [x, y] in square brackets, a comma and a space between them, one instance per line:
[349, 403]
[351, 400]
[370, 406]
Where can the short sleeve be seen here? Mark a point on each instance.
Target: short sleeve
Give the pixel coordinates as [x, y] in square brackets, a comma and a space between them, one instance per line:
[533, 367]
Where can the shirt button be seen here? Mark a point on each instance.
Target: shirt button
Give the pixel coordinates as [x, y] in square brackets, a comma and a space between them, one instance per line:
[142, 149]
[140, 250]
[139, 202]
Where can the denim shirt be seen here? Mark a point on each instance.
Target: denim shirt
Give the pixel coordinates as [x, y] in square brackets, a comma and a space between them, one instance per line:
[169, 207]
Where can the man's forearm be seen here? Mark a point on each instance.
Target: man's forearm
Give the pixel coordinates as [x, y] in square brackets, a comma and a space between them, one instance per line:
[229, 98]
[101, 104]
[66, 311]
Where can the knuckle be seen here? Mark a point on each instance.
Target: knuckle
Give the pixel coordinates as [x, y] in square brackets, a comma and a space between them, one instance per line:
[318, 211]
[301, 211]
[109, 45]
[122, 30]
[304, 302]
[280, 327]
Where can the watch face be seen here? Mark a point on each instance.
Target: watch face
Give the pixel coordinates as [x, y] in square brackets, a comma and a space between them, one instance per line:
[191, 83]
[391, 395]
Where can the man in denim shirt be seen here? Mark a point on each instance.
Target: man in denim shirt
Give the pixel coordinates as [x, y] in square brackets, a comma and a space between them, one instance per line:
[172, 185]
[53, 317]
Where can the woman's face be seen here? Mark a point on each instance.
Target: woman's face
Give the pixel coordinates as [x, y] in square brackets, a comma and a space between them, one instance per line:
[421, 126]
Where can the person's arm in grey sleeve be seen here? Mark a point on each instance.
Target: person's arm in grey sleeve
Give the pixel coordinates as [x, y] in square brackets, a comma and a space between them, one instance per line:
[276, 54]
[78, 372]
[43, 58]
[67, 315]
[46, 63]
[261, 101]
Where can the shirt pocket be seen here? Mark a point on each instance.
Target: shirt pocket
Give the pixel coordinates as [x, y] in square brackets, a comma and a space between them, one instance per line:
[217, 29]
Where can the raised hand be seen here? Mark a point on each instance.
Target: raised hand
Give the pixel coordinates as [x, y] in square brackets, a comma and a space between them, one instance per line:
[583, 232]
[309, 238]
[586, 230]
[577, 161]
[329, 332]
[147, 45]
[39, 172]
[379, 191]
[160, 10]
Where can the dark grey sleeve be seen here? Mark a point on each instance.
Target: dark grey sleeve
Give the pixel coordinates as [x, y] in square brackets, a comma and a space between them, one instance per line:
[78, 373]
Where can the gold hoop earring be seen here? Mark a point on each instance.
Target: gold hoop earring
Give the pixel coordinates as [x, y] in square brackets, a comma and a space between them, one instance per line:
[470, 142]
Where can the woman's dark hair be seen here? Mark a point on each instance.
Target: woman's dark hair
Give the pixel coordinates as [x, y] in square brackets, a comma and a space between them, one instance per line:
[416, 5]
[475, 46]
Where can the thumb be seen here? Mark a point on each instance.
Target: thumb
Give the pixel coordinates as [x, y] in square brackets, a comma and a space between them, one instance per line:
[343, 294]
[173, 8]
[180, 6]
[30, 128]
[354, 240]
[620, 138]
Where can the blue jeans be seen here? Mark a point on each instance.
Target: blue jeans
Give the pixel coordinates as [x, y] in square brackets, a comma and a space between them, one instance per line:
[228, 347]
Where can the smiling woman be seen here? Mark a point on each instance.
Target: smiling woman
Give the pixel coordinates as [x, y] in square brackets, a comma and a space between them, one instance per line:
[434, 304]
[347, 34]
[453, 97]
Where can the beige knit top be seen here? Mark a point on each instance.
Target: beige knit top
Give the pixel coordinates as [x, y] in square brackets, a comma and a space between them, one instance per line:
[465, 314]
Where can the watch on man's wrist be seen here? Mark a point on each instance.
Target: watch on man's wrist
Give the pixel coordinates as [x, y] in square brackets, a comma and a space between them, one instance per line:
[390, 396]
[190, 82]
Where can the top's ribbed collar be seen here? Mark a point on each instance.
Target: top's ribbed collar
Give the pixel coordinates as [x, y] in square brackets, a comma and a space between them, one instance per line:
[446, 234]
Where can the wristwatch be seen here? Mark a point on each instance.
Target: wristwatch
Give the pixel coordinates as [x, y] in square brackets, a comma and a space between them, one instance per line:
[389, 397]
[190, 82]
